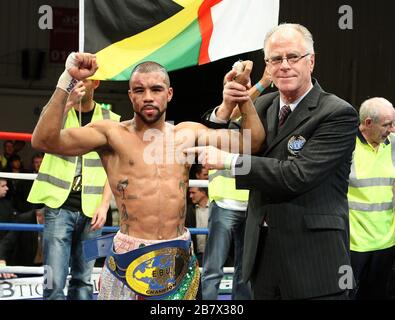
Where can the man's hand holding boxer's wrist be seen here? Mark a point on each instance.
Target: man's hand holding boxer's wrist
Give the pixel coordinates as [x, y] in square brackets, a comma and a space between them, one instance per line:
[236, 85]
[78, 66]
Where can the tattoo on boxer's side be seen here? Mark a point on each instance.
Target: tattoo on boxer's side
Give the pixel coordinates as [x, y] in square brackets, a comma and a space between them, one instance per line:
[121, 187]
[186, 171]
[124, 213]
[182, 185]
[182, 212]
[125, 228]
[180, 230]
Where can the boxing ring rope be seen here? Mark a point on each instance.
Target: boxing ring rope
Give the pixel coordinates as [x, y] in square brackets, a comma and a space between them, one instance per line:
[40, 228]
[33, 270]
[40, 270]
[32, 176]
[19, 176]
[15, 136]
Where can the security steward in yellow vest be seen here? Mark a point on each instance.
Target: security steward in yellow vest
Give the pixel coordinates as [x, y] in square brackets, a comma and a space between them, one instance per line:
[74, 190]
[227, 216]
[370, 196]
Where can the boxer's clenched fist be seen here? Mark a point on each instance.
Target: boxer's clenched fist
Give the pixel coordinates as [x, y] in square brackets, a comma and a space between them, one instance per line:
[79, 66]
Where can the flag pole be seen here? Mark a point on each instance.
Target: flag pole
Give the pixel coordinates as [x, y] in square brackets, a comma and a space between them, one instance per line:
[81, 34]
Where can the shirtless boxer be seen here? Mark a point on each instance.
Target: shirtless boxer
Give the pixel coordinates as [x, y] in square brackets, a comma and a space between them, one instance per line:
[148, 175]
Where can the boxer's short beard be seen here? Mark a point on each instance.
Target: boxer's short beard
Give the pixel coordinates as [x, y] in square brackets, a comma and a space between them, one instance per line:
[152, 119]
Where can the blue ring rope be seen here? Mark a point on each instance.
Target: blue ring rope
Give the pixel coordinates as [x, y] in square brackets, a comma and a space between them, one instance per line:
[40, 227]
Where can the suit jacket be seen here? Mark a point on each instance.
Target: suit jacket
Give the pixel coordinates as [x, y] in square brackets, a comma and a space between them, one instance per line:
[20, 247]
[298, 185]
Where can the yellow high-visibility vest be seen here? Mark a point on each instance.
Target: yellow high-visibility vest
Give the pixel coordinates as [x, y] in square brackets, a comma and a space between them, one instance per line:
[370, 197]
[222, 185]
[3, 161]
[55, 178]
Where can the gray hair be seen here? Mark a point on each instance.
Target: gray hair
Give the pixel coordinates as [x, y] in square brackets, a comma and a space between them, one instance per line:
[151, 66]
[307, 36]
[371, 108]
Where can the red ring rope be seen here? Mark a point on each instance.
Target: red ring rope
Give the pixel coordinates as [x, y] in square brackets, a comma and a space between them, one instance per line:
[15, 136]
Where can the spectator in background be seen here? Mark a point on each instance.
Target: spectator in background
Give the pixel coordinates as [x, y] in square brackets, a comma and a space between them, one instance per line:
[14, 164]
[36, 162]
[23, 248]
[18, 145]
[7, 211]
[197, 217]
[7, 215]
[8, 151]
[201, 172]
[370, 199]
[20, 188]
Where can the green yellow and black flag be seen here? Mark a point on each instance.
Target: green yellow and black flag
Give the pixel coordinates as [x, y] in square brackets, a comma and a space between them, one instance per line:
[174, 33]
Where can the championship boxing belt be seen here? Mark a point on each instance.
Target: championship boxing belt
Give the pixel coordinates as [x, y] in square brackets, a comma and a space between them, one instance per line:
[152, 272]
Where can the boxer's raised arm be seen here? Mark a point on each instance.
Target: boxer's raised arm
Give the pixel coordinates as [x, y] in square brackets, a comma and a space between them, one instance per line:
[48, 134]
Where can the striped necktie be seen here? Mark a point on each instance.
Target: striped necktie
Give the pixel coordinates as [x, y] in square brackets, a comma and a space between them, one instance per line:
[284, 113]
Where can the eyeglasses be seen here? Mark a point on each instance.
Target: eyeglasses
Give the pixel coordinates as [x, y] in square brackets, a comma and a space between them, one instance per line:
[291, 58]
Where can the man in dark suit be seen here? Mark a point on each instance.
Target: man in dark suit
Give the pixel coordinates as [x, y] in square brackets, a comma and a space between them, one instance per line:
[297, 231]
